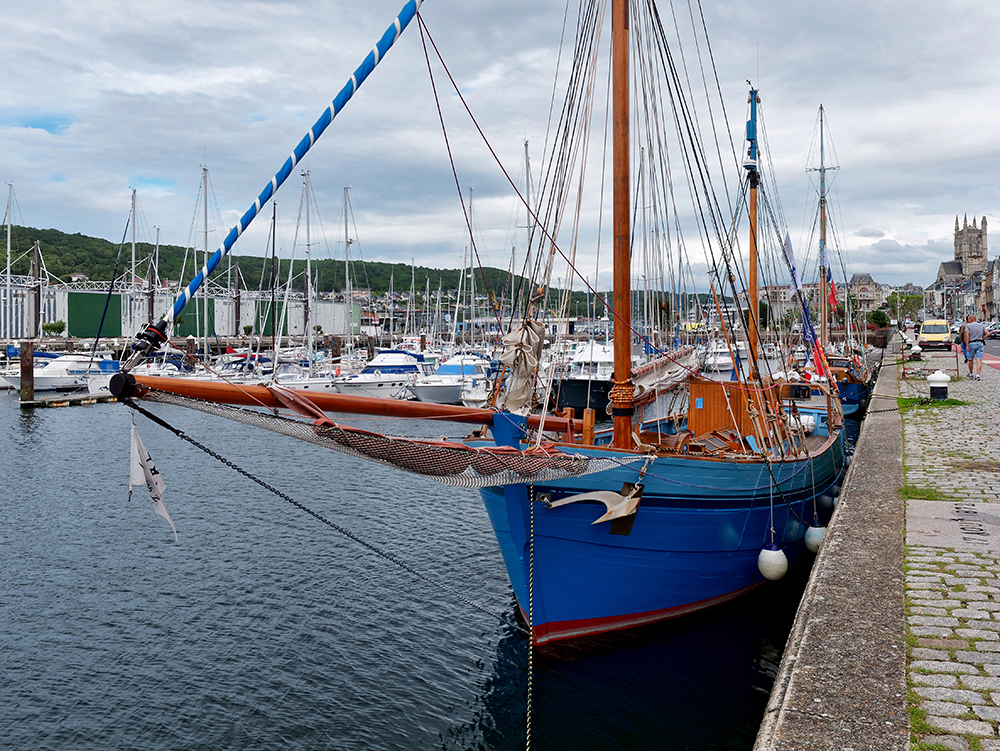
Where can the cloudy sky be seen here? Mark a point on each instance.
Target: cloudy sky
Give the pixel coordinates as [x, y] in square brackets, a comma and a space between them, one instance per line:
[103, 96]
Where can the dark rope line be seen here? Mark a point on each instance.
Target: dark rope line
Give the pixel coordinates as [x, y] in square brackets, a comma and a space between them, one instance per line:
[333, 525]
[111, 288]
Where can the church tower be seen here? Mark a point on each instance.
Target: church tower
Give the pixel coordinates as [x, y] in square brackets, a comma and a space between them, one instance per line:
[970, 246]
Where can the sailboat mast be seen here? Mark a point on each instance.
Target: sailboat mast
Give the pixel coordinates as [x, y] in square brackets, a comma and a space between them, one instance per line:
[622, 391]
[274, 280]
[348, 297]
[754, 177]
[9, 324]
[411, 303]
[458, 303]
[204, 292]
[472, 277]
[437, 319]
[135, 278]
[308, 287]
[822, 240]
[36, 274]
[154, 279]
[528, 226]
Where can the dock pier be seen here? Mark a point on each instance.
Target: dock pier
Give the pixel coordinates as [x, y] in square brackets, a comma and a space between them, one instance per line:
[896, 643]
[67, 400]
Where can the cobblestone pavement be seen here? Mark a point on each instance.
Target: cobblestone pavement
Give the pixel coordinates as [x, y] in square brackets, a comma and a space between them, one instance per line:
[952, 455]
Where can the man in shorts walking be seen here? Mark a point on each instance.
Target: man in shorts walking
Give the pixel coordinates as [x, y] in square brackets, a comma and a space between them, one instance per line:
[975, 336]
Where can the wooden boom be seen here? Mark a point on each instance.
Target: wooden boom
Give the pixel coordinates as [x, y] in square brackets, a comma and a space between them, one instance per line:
[248, 395]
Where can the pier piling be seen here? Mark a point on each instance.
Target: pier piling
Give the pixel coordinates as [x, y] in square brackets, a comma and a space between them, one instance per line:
[27, 371]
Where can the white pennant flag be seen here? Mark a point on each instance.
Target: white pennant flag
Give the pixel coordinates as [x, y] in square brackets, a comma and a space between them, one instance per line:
[144, 472]
[789, 254]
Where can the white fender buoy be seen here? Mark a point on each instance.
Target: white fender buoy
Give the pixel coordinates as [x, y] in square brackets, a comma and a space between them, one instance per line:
[847, 461]
[826, 501]
[814, 538]
[772, 562]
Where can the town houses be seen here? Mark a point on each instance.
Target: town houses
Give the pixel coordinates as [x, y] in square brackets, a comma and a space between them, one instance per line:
[967, 283]
[862, 294]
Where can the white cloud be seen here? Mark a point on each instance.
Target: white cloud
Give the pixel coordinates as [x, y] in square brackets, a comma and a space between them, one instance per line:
[144, 94]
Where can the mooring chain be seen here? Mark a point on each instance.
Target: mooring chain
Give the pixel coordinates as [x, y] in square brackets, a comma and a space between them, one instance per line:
[333, 525]
[923, 401]
[894, 408]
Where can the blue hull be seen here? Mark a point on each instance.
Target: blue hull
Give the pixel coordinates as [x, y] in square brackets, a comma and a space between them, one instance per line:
[853, 397]
[694, 542]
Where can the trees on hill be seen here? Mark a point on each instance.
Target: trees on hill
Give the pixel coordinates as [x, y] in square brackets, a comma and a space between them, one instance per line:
[101, 260]
[67, 254]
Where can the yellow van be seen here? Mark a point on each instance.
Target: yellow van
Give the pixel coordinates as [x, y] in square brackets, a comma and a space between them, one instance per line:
[934, 332]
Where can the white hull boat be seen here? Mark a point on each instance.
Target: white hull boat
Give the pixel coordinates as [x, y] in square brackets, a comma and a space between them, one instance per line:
[65, 373]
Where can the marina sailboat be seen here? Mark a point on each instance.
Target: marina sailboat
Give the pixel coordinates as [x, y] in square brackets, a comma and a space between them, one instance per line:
[658, 516]
[848, 366]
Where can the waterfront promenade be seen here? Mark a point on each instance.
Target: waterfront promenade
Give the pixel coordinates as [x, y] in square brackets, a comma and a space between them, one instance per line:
[951, 464]
[896, 644]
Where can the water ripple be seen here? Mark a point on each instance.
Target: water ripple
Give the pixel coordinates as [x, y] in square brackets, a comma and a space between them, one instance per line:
[261, 628]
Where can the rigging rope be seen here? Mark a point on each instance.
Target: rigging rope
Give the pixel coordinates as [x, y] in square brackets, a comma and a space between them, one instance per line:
[111, 287]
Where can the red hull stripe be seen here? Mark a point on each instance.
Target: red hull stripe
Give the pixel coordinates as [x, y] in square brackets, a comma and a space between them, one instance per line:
[559, 630]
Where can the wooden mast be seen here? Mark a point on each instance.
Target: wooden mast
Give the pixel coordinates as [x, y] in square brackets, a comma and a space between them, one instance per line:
[754, 177]
[623, 390]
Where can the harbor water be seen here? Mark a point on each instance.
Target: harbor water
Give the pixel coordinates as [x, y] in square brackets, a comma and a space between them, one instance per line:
[262, 627]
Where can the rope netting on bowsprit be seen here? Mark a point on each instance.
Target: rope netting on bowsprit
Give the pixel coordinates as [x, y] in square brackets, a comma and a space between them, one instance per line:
[445, 461]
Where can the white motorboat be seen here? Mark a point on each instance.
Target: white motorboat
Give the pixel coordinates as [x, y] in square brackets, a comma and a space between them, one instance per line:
[387, 376]
[455, 375]
[720, 355]
[65, 373]
[296, 376]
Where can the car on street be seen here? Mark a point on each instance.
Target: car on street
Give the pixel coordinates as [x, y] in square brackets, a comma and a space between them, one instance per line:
[934, 332]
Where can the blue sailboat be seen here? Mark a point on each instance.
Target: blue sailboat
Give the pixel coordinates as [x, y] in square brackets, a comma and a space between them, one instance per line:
[679, 522]
[599, 531]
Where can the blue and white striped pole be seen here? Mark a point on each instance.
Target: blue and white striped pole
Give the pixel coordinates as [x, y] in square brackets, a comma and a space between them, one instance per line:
[155, 334]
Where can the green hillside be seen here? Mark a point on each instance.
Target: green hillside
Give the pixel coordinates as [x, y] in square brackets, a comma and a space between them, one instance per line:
[67, 254]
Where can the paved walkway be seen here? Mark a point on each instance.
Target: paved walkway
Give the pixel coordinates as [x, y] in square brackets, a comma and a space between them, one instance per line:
[951, 470]
[842, 682]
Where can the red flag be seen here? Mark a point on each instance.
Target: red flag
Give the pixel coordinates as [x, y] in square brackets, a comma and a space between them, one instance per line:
[833, 295]
[820, 363]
